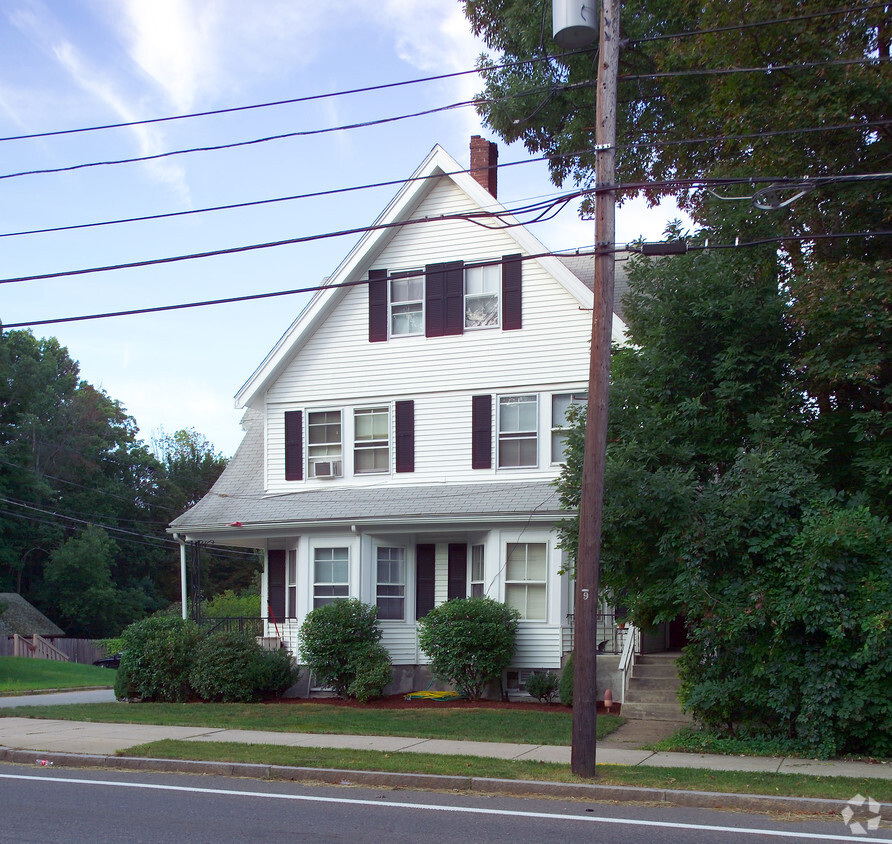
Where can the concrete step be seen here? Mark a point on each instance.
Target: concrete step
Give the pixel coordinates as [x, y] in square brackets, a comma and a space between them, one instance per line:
[668, 684]
[665, 670]
[638, 695]
[654, 712]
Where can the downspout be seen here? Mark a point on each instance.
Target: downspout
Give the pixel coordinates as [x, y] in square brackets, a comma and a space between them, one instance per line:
[182, 542]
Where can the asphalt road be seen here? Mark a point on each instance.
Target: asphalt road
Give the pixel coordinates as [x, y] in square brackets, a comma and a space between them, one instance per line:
[54, 804]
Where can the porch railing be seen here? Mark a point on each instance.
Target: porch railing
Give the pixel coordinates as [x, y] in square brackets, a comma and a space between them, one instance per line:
[631, 649]
[37, 646]
[611, 632]
[234, 624]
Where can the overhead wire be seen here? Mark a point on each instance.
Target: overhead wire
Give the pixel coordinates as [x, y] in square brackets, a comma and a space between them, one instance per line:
[617, 248]
[435, 78]
[638, 143]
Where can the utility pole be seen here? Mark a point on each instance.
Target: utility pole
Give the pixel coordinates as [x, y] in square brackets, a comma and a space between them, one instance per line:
[588, 558]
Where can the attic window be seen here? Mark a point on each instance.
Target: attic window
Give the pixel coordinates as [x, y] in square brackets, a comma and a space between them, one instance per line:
[482, 296]
[406, 304]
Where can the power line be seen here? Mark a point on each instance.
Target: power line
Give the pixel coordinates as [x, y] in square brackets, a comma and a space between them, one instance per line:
[299, 134]
[642, 142]
[617, 248]
[755, 24]
[273, 104]
[467, 216]
[771, 68]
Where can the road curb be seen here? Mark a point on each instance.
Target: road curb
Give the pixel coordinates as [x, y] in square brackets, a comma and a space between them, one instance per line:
[481, 785]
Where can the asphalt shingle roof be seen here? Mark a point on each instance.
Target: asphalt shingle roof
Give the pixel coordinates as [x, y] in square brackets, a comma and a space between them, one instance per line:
[238, 496]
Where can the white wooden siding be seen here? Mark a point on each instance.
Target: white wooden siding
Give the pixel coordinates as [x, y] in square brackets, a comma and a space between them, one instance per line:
[538, 646]
[338, 367]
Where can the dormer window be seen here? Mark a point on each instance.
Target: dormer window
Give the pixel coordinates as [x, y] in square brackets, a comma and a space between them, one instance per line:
[482, 286]
[407, 304]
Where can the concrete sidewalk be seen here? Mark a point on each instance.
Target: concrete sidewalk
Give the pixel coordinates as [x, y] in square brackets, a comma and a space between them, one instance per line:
[107, 739]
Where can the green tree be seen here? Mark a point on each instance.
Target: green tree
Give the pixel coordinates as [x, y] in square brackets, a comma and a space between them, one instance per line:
[815, 106]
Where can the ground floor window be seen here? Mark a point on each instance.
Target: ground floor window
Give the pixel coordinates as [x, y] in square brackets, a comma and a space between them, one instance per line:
[391, 589]
[331, 570]
[477, 571]
[526, 571]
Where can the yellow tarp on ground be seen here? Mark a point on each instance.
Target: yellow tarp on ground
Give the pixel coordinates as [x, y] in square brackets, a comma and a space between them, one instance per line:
[434, 696]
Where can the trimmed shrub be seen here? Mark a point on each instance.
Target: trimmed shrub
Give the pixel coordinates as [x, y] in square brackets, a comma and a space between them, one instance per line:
[542, 686]
[565, 690]
[340, 644]
[231, 667]
[157, 657]
[470, 641]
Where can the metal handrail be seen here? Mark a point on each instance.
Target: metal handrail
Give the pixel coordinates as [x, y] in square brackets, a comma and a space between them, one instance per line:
[631, 648]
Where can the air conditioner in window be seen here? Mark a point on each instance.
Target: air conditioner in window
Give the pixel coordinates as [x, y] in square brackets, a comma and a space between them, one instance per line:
[326, 469]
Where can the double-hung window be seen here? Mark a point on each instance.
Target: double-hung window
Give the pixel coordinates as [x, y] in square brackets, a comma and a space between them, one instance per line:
[391, 590]
[518, 431]
[525, 579]
[482, 285]
[371, 440]
[560, 404]
[331, 573]
[291, 584]
[406, 304]
[477, 571]
[324, 449]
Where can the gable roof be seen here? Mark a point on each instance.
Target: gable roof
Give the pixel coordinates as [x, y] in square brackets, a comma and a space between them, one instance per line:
[18, 616]
[398, 212]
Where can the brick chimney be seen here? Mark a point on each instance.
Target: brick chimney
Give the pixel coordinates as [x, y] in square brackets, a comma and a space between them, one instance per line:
[484, 162]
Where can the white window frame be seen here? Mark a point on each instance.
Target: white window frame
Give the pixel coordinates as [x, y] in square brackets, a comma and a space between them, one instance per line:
[519, 585]
[559, 427]
[398, 586]
[486, 283]
[325, 452]
[338, 589]
[372, 444]
[507, 437]
[398, 307]
[477, 571]
[291, 583]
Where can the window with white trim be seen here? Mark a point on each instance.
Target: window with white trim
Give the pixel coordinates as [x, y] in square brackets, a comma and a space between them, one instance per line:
[477, 556]
[331, 573]
[391, 590]
[560, 404]
[407, 303]
[518, 431]
[291, 584]
[371, 440]
[324, 444]
[526, 571]
[482, 286]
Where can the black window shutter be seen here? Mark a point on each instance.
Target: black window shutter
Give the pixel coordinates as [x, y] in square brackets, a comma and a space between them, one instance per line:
[425, 556]
[457, 584]
[275, 585]
[481, 432]
[377, 306]
[512, 292]
[455, 297]
[405, 436]
[294, 450]
[444, 292]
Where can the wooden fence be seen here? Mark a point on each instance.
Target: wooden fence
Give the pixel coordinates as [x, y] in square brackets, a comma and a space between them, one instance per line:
[74, 650]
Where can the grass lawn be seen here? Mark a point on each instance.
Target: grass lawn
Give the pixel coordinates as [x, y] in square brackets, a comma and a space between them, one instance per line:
[468, 723]
[22, 674]
[789, 785]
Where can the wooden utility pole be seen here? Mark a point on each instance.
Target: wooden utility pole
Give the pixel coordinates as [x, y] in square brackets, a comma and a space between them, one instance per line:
[588, 558]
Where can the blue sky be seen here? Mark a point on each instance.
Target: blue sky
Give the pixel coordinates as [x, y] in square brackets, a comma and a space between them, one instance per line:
[75, 63]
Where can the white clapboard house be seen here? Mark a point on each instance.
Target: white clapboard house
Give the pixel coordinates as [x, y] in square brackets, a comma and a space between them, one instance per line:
[403, 436]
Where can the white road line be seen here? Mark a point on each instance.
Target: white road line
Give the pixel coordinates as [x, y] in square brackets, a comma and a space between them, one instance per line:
[470, 810]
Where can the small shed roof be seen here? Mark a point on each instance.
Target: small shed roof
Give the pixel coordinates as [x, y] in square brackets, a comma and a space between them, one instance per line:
[18, 616]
